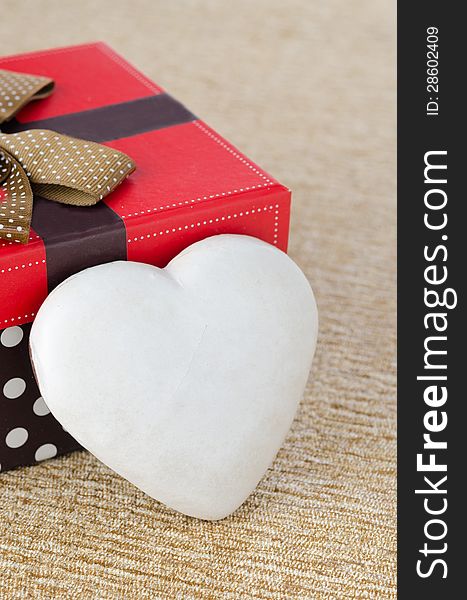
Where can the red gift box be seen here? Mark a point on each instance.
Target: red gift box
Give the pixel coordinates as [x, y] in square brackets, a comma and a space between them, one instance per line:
[190, 183]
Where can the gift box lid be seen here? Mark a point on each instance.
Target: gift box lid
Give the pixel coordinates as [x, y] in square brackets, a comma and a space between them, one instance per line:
[183, 168]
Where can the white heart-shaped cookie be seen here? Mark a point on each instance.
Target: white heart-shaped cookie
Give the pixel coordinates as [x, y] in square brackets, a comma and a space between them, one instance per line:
[183, 380]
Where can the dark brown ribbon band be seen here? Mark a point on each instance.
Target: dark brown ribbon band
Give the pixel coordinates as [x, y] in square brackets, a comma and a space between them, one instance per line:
[114, 121]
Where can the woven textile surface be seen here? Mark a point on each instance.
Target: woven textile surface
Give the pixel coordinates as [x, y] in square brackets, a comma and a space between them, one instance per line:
[307, 89]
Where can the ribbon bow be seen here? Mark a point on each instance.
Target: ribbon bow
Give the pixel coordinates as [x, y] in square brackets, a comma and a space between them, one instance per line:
[49, 164]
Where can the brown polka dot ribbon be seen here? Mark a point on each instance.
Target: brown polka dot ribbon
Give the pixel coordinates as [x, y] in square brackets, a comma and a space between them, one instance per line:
[54, 166]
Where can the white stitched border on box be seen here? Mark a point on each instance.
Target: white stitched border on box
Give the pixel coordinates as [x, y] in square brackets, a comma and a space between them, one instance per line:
[195, 200]
[29, 55]
[129, 68]
[267, 181]
[30, 264]
[243, 213]
[107, 51]
[276, 224]
[231, 151]
[19, 318]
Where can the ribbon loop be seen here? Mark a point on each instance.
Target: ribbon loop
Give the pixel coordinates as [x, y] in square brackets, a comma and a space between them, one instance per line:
[55, 166]
[67, 169]
[18, 89]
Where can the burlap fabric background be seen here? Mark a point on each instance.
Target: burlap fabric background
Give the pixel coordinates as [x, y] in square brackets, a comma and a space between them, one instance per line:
[306, 88]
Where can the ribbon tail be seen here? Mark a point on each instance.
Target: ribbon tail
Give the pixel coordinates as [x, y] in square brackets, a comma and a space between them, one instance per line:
[16, 200]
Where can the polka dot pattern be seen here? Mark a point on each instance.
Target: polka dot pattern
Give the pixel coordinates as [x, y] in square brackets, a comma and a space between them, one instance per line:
[14, 388]
[28, 431]
[45, 451]
[11, 336]
[40, 408]
[17, 89]
[16, 437]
